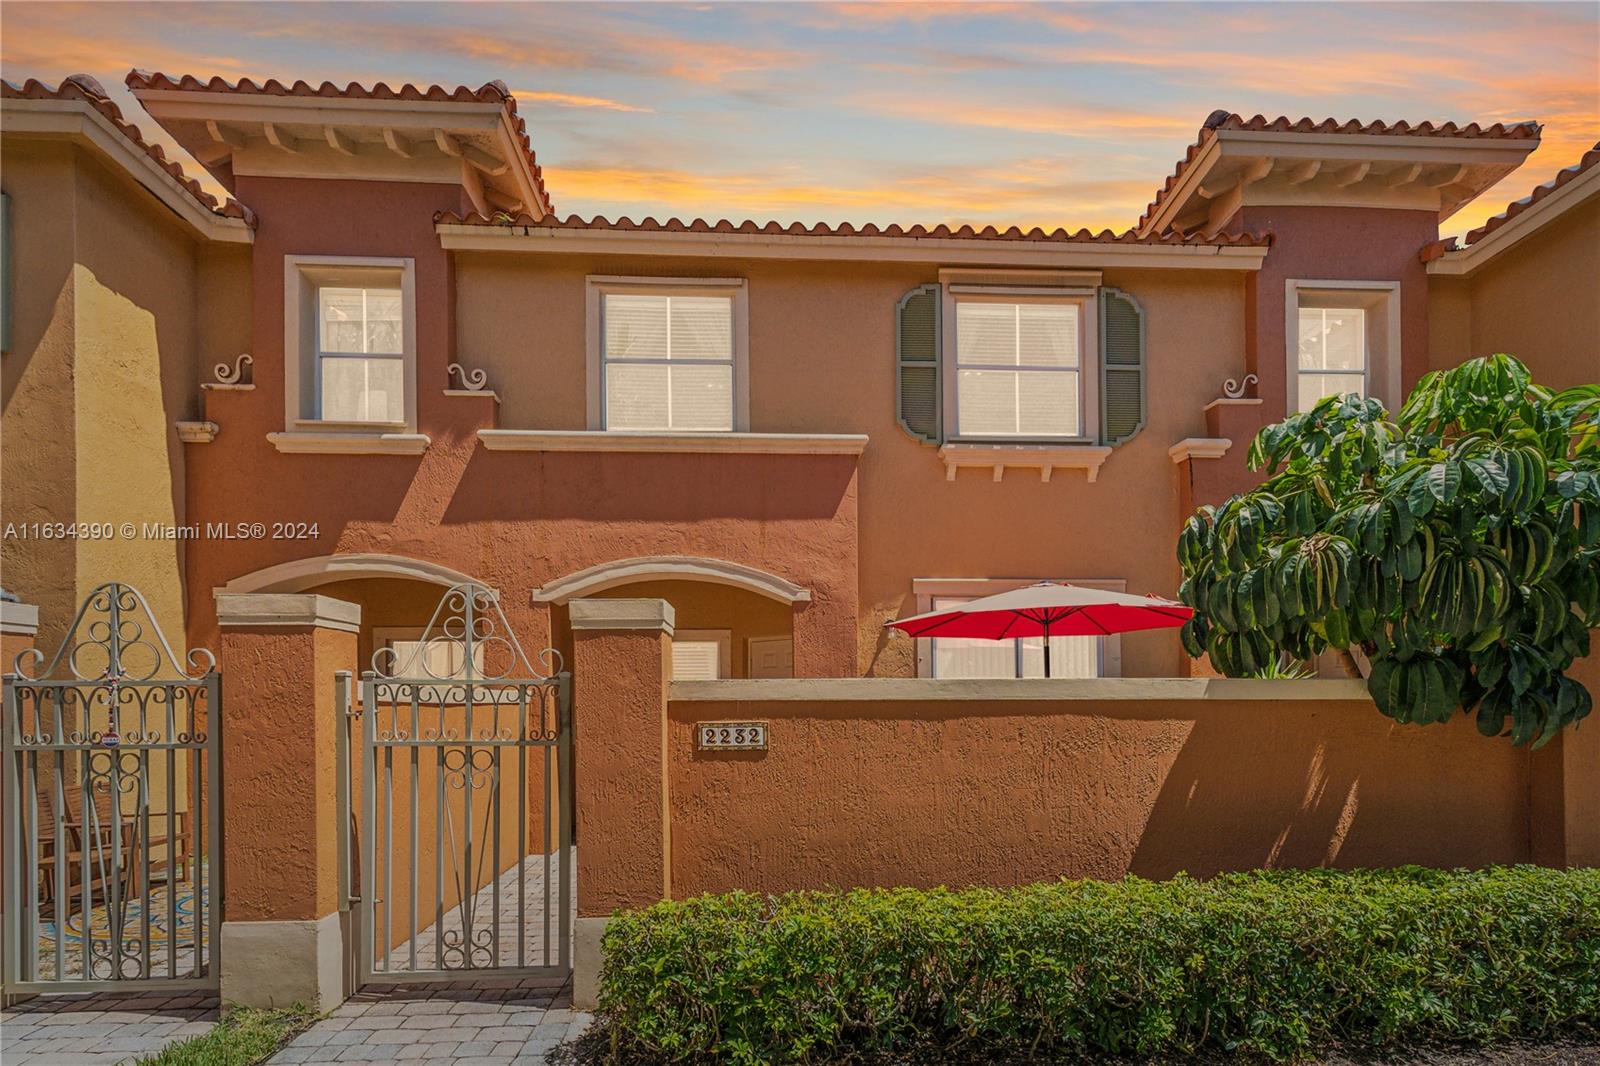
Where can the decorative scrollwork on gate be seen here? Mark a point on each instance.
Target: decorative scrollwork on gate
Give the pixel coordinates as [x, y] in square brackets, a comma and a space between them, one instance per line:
[114, 638]
[481, 645]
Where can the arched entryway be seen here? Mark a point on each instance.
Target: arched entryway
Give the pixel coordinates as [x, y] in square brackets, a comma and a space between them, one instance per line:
[732, 620]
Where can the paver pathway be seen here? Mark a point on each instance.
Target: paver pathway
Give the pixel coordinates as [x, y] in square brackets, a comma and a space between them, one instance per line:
[100, 1029]
[496, 1020]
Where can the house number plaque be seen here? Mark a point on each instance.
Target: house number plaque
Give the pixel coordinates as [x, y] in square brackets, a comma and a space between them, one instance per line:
[731, 736]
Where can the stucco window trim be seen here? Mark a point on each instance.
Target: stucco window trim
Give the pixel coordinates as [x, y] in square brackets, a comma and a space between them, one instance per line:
[1047, 459]
[1383, 366]
[927, 589]
[1088, 370]
[302, 274]
[598, 286]
[309, 443]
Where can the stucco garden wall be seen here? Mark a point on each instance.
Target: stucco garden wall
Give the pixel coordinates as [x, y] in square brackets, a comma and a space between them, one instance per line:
[928, 783]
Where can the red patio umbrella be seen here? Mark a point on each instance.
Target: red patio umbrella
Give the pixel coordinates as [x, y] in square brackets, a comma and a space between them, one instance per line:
[1048, 609]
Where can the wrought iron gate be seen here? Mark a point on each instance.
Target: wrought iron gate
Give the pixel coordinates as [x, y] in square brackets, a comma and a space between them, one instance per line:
[460, 862]
[112, 818]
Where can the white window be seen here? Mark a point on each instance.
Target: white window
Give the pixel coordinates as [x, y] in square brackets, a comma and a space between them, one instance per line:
[1019, 370]
[1023, 657]
[960, 657]
[668, 356]
[350, 342]
[701, 654]
[1333, 354]
[443, 658]
[1342, 337]
[360, 355]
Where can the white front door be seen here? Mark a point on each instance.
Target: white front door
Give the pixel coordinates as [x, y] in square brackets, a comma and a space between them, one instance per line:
[771, 657]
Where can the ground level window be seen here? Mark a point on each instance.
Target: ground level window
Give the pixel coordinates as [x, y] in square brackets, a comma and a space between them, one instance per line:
[410, 656]
[701, 654]
[960, 657]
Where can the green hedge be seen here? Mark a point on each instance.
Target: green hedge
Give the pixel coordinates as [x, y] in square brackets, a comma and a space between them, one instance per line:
[1275, 963]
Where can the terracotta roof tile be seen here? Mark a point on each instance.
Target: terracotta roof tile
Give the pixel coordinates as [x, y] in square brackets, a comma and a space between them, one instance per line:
[1590, 159]
[85, 88]
[489, 92]
[1227, 120]
[846, 229]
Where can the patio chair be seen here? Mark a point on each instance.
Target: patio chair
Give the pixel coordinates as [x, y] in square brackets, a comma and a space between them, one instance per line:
[95, 835]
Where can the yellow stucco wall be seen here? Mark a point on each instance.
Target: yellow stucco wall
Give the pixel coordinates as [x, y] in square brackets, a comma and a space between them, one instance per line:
[103, 364]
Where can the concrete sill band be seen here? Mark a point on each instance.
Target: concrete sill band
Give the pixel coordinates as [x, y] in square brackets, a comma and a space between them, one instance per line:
[1104, 689]
[530, 440]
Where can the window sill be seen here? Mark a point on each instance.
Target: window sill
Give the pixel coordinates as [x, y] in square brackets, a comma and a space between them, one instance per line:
[530, 440]
[1045, 458]
[350, 443]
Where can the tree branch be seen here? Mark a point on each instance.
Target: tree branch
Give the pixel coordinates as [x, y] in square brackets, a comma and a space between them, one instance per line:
[1348, 662]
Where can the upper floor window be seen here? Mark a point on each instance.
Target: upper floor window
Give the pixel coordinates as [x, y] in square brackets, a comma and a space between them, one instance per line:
[350, 344]
[1019, 369]
[360, 355]
[668, 355]
[1343, 338]
[1333, 353]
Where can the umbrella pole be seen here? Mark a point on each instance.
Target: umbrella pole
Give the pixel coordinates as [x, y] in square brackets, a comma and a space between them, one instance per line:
[1047, 648]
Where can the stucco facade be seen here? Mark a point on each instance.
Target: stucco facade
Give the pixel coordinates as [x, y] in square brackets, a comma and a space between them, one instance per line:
[123, 299]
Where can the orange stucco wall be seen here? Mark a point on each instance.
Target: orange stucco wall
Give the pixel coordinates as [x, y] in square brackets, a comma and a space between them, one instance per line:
[1539, 301]
[821, 360]
[956, 793]
[620, 769]
[1335, 244]
[279, 770]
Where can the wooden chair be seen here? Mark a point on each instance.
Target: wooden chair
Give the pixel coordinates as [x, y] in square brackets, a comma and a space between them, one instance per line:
[95, 835]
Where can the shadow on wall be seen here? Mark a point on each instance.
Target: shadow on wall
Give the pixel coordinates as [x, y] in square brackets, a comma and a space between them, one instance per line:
[1334, 786]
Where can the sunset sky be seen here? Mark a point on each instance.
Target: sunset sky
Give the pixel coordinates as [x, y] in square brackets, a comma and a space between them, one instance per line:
[1006, 113]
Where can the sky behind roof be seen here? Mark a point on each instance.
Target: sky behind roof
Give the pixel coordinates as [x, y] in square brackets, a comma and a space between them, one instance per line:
[985, 113]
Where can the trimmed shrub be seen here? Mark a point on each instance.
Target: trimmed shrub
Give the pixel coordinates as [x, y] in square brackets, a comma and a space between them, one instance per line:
[1274, 963]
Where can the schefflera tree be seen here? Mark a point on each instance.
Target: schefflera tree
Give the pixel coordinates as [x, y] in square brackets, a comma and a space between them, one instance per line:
[1457, 546]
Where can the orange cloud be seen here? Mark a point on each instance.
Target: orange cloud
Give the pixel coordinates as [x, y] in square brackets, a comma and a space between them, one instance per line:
[1026, 193]
[1062, 121]
[575, 100]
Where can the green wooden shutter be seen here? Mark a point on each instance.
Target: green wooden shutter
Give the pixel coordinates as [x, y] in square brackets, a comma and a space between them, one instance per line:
[1122, 366]
[917, 331]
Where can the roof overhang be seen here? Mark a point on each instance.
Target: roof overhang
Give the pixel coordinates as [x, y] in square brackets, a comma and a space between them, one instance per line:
[944, 251]
[1237, 168]
[1532, 219]
[78, 121]
[471, 143]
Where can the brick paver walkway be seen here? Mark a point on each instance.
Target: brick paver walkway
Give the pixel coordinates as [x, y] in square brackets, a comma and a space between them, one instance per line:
[100, 1029]
[501, 1020]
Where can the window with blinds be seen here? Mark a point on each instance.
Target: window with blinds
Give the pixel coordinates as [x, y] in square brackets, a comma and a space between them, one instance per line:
[1018, 369]
[1333, 354]
[667, 362]
[1024, 657]
[360, 354]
